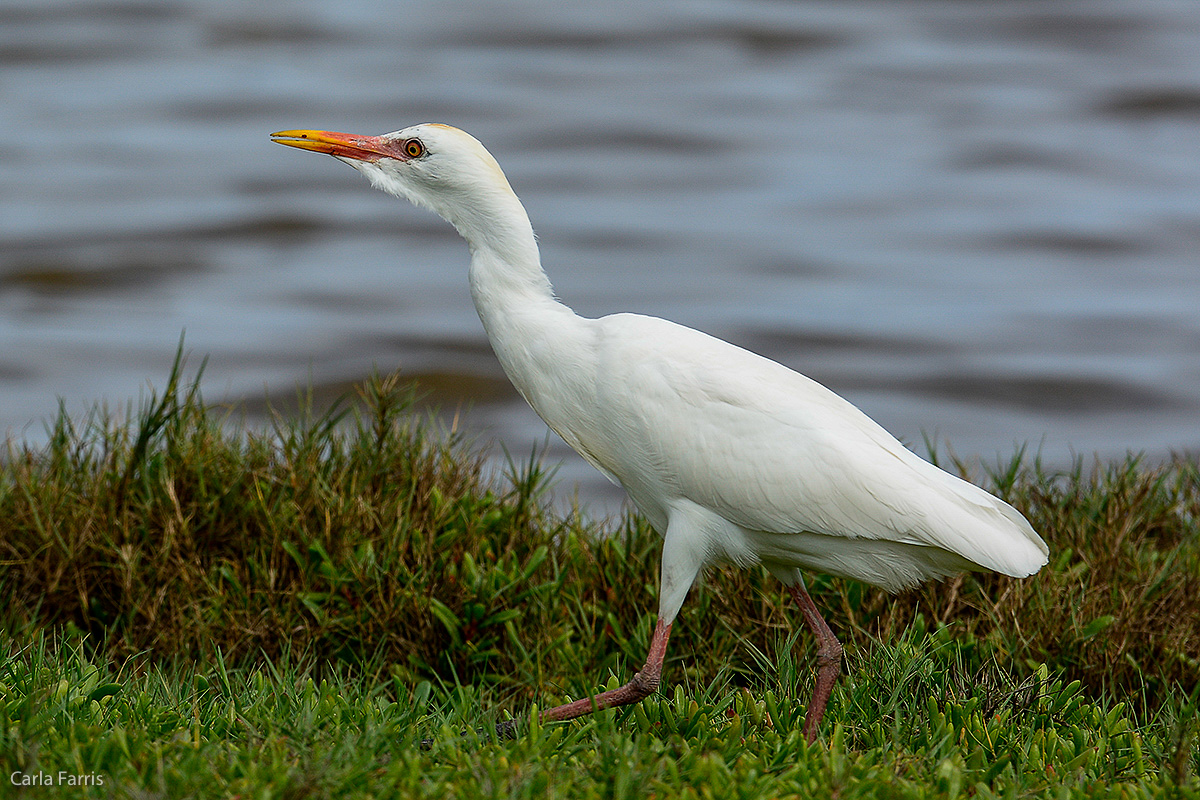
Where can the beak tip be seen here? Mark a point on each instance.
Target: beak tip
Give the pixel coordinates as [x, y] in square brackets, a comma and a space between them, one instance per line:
[341, 145]
[317, 141]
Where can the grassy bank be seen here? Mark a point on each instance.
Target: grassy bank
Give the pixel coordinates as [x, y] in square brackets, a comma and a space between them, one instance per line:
[293, 610]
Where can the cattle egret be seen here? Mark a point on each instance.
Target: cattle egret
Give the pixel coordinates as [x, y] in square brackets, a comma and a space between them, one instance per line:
[730, 456]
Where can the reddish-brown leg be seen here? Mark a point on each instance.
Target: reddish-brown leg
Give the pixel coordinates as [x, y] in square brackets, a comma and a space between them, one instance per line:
[829, 660]
[643, 684]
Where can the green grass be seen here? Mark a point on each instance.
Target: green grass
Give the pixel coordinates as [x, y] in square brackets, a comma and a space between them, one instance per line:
[194, 609]
[906, 722]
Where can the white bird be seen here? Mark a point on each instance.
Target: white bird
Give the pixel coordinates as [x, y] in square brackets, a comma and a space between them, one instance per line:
[731, 456]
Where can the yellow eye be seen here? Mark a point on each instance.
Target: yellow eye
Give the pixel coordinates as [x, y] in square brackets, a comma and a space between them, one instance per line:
[413, 148]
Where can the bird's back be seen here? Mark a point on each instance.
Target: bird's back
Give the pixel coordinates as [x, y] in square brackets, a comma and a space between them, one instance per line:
[787, 466]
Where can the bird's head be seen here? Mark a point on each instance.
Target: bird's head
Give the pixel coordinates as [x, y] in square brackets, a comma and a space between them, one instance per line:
[432, 165]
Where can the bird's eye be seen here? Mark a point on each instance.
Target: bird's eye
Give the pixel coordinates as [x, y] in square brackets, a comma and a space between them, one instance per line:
[413, 148]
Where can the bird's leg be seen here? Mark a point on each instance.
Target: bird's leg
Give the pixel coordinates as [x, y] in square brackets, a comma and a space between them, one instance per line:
[829, 660]
[643, 684]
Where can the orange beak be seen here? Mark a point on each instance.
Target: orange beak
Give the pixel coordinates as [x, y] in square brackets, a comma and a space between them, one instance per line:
[342, 145]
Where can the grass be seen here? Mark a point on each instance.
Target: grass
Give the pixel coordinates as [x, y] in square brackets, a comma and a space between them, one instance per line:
[193, 609]
[909, 724]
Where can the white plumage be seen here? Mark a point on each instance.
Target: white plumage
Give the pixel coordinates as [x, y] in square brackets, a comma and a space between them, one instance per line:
[730, 455]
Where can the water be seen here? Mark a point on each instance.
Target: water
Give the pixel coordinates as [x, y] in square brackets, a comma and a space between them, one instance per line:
[977, 221]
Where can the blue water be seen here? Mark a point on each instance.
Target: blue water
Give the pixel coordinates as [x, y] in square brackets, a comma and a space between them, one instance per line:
[979, 222]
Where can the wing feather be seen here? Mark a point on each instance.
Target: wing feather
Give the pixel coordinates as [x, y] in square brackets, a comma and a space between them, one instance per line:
[771, 450]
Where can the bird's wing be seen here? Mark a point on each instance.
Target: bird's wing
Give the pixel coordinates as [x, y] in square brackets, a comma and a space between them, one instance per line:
[771, 450]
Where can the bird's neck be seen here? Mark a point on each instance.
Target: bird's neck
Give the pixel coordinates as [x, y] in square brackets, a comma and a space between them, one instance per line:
[506, 267]
[513, 296]
[525, 323]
